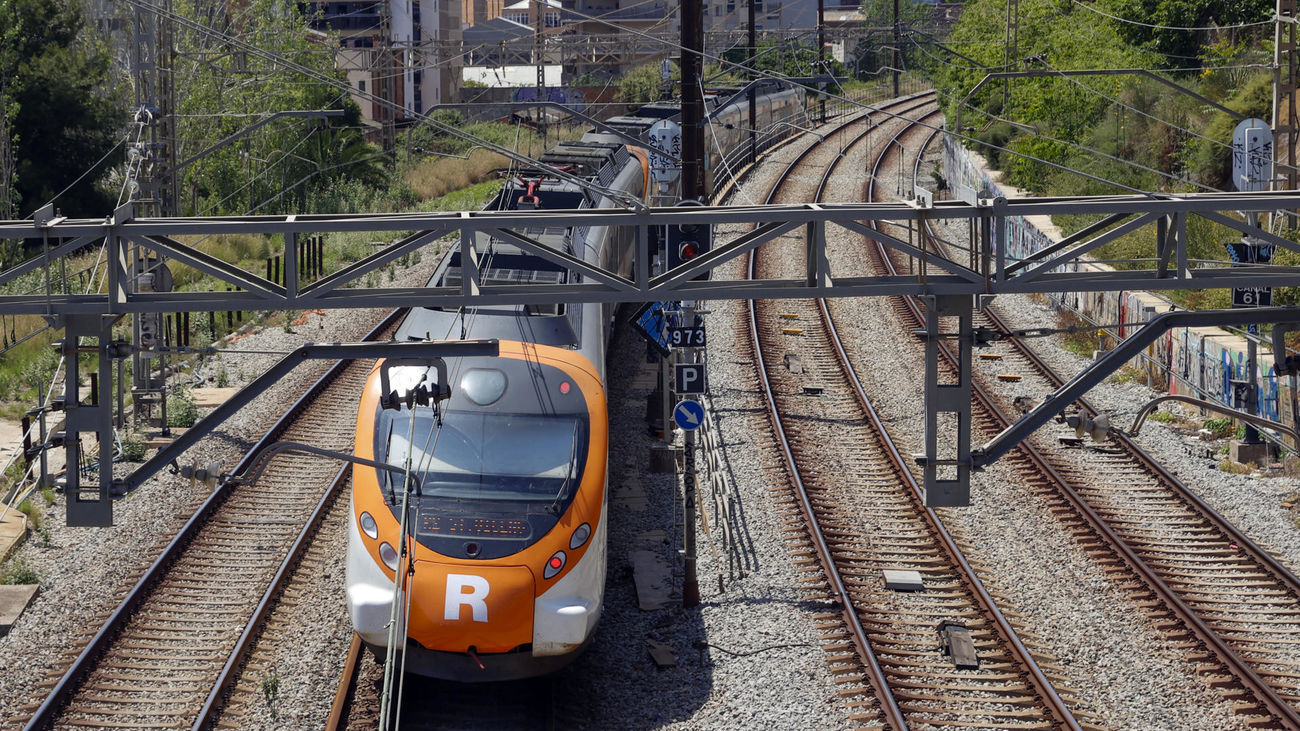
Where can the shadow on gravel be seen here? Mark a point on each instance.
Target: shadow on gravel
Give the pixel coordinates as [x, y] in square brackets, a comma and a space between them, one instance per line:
[616, 683]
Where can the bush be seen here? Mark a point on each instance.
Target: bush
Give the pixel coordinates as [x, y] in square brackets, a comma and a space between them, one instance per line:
[133, 447]
[33, 512]
[1220, 426]
[19, 572]
[181, 410]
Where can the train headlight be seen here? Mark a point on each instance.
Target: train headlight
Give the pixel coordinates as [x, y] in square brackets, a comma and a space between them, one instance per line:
[580, 536]
[369, 526]
[483, 386]
[553, 565]
[389, 555]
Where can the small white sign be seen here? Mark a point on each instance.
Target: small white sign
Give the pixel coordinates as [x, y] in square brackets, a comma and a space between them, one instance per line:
[664, 136]
[1252, 155]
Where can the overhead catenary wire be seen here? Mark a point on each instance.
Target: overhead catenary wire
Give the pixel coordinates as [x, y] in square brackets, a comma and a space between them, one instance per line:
[267, 55]
[331, 81]
[1157, 26]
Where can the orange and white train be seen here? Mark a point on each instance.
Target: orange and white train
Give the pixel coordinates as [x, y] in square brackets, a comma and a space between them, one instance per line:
[506, 532]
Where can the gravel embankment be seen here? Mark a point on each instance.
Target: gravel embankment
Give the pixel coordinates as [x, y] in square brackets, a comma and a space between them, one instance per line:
[1110, 653]
[749, 655]
[762, 665]
[85, 571]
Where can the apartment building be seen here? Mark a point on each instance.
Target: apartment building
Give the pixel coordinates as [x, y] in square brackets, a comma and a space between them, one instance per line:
[400, 50]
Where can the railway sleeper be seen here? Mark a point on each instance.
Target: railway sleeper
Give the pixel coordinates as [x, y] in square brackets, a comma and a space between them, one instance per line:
[983, 713]
[997, 698]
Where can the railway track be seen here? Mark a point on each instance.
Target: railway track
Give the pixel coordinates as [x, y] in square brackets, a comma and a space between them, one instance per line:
[166, 656]
[524, 705]
[1234, 607]
[863, 514]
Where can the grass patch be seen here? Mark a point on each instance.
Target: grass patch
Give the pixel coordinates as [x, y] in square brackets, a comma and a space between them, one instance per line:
[1083, 341]
[1128, 374]
[181, 410]
[1235, 468]
[1219, 426]
[1164, 417]
[35, 518]
[133, 447]
[18, 572]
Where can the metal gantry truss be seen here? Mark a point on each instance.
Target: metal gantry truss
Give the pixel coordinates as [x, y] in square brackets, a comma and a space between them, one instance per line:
[955, 287]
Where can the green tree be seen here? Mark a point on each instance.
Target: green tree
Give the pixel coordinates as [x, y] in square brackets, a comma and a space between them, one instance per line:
[644, 84]
[1168, 27]
[285, 164]
[58, 99]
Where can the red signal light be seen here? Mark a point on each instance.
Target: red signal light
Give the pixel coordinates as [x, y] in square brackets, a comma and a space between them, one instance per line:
[553, 565]
[564, 387]
[687, 250]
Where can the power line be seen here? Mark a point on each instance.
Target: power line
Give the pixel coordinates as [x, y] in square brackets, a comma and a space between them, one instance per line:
[1116, 18]
[330, 81]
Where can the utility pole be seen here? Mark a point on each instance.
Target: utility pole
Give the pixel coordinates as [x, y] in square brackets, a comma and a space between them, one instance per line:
[821, 55]
[1285, 65]
[895, 62]
[692, 101]
[1009, 51]
[387, 77]
[156, 177]
[753, 76]
[539, 26]
[7, 160]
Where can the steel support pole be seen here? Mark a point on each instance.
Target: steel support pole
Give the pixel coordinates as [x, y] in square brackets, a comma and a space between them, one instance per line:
[1285, 65]
[753, 76]
[821, 56]
[692, 101]
[894, 65]
[947, 477]
[88, 504]
[691, 581]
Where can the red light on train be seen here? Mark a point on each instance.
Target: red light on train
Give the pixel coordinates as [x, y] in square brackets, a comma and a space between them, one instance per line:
[564, 387]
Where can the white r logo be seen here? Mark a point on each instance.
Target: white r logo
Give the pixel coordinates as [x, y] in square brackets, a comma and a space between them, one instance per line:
[457, 596]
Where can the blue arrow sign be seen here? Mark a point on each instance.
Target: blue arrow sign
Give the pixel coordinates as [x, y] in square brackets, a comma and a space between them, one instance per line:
[688, 414]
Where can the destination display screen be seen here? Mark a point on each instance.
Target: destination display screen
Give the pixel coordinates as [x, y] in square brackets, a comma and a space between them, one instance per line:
[455, 525]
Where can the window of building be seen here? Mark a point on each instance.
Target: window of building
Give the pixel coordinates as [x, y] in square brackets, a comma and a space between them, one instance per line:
[361, 85]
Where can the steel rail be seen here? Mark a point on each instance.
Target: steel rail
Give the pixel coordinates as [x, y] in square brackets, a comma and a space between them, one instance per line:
[342, 696]
[244, 645]
[879, 681]
[1238, 666]
[66, 686]
[1280, 573]
[1055, 704]
[1249, 679]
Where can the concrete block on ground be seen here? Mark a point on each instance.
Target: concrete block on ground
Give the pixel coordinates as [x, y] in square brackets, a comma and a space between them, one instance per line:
[14, 598]
[207, 398]
[13, 529]
[903, 580]
[664, 458]
[629, 495]
[653, 578]
[1253, 454]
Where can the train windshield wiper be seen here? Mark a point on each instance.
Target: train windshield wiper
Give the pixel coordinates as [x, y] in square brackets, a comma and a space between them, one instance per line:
[563, 494]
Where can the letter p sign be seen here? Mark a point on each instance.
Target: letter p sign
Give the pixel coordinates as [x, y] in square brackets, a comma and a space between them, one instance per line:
[466, 589]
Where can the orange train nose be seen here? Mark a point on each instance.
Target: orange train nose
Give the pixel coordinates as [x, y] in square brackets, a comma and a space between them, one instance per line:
[486, 607]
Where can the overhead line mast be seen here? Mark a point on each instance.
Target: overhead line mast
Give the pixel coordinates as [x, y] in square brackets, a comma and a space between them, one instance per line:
[692, 101]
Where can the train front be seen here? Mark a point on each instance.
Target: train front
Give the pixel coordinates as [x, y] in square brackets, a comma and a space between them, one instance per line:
[506, 531]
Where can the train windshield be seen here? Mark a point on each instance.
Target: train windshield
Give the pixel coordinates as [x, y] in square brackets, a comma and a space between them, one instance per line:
[489, 456]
